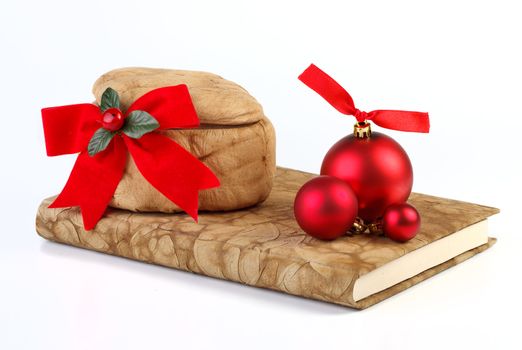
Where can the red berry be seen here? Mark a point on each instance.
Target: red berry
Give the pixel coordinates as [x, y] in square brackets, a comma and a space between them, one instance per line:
[112, 119]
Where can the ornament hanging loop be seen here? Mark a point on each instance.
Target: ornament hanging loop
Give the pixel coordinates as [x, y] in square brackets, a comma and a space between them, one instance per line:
[362, 130]
[360, 227]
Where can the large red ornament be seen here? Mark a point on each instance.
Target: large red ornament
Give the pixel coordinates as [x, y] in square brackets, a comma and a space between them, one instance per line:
[377, 169]
[401, 222]
[325, 207]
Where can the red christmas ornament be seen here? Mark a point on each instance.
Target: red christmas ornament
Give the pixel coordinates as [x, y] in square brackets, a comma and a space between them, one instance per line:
[373, 165]
[401, 222]
[376, 167]
[325, 207]
[112, 119]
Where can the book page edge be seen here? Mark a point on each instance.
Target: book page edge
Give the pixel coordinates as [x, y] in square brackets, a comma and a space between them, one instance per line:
[420, 260]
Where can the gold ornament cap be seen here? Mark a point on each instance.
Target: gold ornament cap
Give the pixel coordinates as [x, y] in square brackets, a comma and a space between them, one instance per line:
[362, 130]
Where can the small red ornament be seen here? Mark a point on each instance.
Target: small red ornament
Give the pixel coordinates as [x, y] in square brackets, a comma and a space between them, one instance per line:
[375, 166]
[325, 207]
[401, 222]
[112, 119]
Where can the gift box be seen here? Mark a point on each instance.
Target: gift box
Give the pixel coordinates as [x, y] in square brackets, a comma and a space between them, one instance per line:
[234, 139]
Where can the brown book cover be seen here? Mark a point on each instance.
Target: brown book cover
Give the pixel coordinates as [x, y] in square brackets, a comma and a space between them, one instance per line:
[263, 246]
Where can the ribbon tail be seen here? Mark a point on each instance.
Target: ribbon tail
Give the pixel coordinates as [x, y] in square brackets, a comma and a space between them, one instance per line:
[172, 170]
[329, 89]
[401, 120]
[93, 181]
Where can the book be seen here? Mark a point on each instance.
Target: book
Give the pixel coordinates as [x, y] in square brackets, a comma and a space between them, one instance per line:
[263, 246]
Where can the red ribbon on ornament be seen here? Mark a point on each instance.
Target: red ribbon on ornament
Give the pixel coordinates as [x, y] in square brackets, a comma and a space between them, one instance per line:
[339, 98]
[167, 166]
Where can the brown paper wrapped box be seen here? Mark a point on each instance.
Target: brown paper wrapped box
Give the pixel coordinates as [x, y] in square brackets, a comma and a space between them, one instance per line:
[235, 139]
[263, 246]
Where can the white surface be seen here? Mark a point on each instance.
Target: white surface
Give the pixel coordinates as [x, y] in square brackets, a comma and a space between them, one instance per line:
[459, 60]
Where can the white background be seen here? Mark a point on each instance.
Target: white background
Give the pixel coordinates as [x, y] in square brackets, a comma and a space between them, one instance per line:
[459, 60]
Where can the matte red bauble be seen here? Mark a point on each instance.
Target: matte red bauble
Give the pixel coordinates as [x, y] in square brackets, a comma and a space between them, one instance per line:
[375, 166]
[401, 222]
[112, 119]
[325, 207]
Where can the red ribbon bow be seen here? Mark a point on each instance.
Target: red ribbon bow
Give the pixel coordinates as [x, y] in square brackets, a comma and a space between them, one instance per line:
[338, 97]
[167, 166]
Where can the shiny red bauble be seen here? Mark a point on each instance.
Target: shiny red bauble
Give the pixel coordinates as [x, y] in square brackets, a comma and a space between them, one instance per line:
[325, 207]
[112, 119]
[376, 167]
[401, 222]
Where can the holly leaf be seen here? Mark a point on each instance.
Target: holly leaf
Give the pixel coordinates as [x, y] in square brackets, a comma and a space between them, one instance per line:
[99, 141]
[109, 99]
[139, 123]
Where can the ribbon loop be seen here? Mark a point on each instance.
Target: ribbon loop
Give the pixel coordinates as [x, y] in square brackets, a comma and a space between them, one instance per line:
[171, 106]
[68, 129]
[340, 99]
